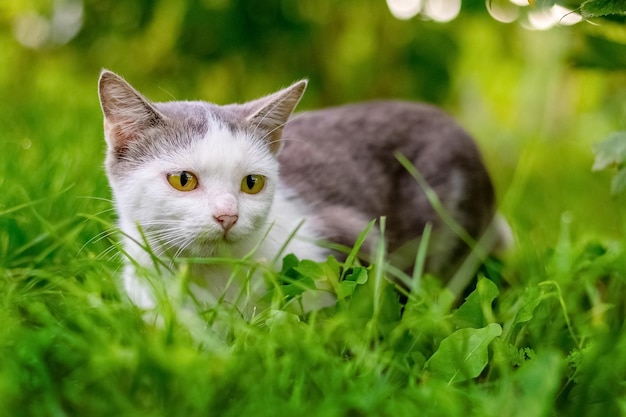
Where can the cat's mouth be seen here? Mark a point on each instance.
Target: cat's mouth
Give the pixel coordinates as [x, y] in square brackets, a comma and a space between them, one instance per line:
[227, 237]
[219, 239]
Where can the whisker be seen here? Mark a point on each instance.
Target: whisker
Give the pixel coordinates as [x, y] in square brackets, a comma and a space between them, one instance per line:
[97, 238]
[182, 248]
[169, 238]
[111, 252]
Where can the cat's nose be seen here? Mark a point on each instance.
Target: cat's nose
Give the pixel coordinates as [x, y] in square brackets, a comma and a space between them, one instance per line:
[226, 221]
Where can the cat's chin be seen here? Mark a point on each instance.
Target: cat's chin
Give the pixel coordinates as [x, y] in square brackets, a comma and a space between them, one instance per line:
[222, 245]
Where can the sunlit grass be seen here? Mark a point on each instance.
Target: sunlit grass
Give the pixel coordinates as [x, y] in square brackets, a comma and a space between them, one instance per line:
[71, 344]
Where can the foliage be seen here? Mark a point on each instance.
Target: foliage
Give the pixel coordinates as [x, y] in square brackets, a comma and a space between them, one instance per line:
[463, 355]
[597, 8]
[611, 153]
[71, 346]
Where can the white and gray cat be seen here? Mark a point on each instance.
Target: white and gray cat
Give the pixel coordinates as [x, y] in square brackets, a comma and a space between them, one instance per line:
[193, 179]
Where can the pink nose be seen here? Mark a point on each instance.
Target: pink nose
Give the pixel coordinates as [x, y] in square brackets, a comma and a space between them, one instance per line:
[226, 221]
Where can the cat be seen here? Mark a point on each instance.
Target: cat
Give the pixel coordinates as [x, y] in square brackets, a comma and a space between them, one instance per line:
[191, 179]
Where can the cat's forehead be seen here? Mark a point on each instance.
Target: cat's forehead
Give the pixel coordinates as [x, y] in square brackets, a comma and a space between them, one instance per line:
[224, 149]
[213, 139]
[198, 116]
[197, 136]
[200, 120]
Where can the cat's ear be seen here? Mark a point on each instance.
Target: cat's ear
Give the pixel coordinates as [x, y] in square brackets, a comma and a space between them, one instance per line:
[272, 112]
[126, 112]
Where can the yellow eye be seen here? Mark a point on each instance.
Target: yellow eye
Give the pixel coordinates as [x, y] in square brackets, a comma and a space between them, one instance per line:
[183, 180]
[252, 184]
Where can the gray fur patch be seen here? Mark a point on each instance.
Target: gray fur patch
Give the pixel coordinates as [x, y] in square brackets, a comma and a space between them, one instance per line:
[341, 161]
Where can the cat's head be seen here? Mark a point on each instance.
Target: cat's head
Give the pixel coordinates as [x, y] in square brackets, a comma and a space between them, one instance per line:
[193, 175]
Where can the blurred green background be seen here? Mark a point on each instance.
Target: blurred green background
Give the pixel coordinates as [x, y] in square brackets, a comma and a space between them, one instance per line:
[534, 84]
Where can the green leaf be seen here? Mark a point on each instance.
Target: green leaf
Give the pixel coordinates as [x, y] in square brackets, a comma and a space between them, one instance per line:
[310, 269]
[299, 276]
[332, 266]
[463, 355]
[358, 275]
[354, 276]
[294, 288]
[597, 8]
[516, 356]
[610, 152]
[289, 262]
[530, 300]
[295, 277]
[476, 309]
[618, 184]
[345, 289]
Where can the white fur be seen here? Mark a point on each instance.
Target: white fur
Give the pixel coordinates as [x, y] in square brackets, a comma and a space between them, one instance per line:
[182, 224]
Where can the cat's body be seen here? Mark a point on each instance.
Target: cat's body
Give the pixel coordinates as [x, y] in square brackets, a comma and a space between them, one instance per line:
[343, 163]
[202, 180]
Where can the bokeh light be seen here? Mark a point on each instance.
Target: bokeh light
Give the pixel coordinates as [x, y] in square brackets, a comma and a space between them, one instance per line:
[506, 11]
[404, 9]
[34, 30]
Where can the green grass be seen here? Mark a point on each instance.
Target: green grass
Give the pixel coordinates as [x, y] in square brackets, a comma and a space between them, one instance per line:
[547, 340]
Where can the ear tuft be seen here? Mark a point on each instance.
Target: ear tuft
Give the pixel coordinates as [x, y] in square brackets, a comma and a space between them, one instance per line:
[274, 111]
[126, 112]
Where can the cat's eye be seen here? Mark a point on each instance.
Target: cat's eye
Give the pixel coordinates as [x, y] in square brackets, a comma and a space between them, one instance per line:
[252, 184]
[183, 180]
